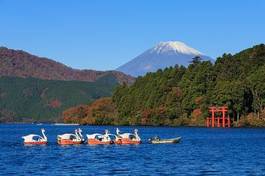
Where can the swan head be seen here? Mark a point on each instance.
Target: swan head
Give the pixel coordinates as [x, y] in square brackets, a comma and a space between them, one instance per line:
[79, 130]
[44, 136]
[136, 134]
[117, 131]
[106, 131]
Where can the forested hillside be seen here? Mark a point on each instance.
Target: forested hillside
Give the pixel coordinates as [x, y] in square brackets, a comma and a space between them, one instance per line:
[181, 96]
[35, 88]
[36, 100]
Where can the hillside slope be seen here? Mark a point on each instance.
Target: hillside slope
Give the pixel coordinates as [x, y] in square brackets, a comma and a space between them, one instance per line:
[36, 100]
[18, 63]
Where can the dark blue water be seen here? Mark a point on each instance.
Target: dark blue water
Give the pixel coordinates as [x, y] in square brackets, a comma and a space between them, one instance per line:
[201, 152]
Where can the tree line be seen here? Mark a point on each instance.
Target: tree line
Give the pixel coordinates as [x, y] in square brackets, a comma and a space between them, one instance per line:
[181, 95]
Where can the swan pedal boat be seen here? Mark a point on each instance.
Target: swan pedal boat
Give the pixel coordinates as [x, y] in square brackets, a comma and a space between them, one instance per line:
[97, 139]
[71, 139]
[34, 139]
[157, 140]
[127, 138]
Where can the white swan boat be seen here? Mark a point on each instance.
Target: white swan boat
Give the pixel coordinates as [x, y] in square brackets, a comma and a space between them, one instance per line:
[70, 139]
[95, 139]
[127, 138]
[34, 139]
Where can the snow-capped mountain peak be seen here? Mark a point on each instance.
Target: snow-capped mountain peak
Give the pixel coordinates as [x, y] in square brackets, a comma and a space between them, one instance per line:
[174, 46]
[164, 54]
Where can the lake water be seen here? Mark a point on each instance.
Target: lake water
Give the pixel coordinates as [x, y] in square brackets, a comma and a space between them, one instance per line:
[202, 152]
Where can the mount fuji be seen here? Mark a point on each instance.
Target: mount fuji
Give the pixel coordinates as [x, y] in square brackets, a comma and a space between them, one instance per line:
[163, 55]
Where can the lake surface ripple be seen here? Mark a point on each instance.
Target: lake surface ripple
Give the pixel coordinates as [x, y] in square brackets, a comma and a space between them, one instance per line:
[202, 152]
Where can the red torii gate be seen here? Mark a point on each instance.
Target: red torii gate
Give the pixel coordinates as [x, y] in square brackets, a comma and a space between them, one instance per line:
[218, 121]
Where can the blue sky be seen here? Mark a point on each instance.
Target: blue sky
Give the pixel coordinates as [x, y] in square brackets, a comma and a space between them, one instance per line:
[102, 35]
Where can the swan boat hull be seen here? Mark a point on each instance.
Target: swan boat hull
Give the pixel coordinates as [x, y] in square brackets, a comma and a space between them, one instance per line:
[36, 143]
[127, 141]
[68, 142]
[98, 142]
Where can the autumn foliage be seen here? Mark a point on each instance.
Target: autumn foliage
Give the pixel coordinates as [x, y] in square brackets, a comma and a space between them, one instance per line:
[100, 112]
[19, 63]
[181, 96]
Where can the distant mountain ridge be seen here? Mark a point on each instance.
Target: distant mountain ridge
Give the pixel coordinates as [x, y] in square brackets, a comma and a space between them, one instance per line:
[34, 88]
[18, 63]
[163, 55]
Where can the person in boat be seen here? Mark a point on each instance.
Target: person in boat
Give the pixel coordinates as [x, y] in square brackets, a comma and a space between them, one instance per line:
[155, 138]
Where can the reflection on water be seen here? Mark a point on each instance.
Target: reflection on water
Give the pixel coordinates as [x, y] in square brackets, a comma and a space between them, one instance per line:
[201, 152]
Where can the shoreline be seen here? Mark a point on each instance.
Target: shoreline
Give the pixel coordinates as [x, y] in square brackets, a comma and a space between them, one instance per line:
[75, 124]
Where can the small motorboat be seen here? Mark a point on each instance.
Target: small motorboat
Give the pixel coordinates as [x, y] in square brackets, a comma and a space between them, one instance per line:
[70, 139]
[157, 140]
[95, 139]
[34, 139]
[127, 138]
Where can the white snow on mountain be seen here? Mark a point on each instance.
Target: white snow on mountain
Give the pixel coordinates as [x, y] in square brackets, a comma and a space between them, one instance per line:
[176, 46]
[163, 55]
